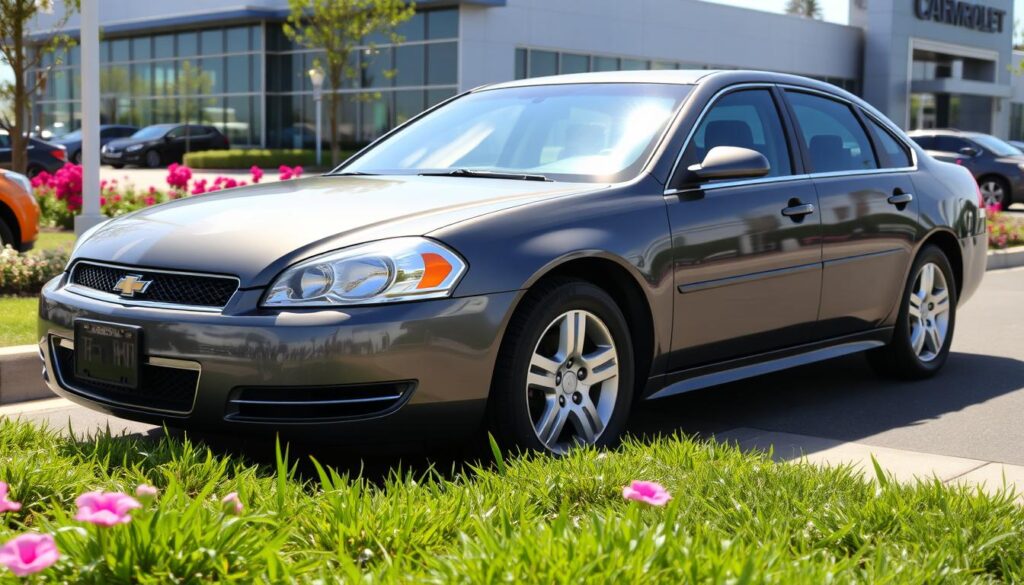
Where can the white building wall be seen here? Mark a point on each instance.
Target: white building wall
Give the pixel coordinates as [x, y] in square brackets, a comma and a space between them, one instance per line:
[691, 31]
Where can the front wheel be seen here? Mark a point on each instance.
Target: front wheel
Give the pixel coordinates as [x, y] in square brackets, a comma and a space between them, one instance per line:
[924, 326]
[564, 375]
[153, 159]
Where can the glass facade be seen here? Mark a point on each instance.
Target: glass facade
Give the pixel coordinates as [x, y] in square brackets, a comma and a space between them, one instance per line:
[252, 83]
[539, 63]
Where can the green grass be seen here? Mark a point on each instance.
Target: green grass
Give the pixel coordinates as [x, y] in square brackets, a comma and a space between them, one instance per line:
[263, 158]
[49, 240]
[735, 518]
[17, 320]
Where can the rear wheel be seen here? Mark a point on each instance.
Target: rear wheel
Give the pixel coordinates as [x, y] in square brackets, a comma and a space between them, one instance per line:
[77, 157]
[33, 170]
[153, 159]
[564, 375]
[995, 191]
[924, 326]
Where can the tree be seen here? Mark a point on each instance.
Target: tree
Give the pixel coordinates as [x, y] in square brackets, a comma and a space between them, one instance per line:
[805, 8]
[338, 27]
[23, 55]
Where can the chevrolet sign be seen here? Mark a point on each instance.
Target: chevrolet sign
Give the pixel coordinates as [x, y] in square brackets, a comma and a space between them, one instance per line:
[960, 13]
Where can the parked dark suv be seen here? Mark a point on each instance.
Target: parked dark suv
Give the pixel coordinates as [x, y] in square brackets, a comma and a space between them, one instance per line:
[996, 164]
[161, 144]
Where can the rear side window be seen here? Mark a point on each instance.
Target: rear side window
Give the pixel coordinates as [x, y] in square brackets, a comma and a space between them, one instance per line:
[747, 119]
[950, 144]
[896, 156]
[831, 134]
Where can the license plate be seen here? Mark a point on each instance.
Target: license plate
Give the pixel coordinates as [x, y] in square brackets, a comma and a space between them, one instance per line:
[107, 353]
[113, 155]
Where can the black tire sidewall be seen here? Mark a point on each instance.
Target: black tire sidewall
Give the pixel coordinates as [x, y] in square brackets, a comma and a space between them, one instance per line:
[906, 363]
[149, 163]
[509, 410]
[7, 236]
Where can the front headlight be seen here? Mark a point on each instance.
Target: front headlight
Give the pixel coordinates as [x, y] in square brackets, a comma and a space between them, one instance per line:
[21, 180]
[134, 148]
[388, 271]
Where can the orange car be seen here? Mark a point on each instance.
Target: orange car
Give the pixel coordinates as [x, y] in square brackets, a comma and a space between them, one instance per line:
[19, 211]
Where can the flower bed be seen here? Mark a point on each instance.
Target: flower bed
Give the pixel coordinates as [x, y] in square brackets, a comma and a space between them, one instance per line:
[60, 194]
[1005, 230]
[25, 274]
[131, 510]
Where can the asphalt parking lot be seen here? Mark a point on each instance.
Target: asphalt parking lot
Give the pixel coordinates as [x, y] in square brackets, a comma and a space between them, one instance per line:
[973, 409]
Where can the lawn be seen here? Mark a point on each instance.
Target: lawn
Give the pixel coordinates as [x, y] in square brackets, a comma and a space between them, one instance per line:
[734, 517]
[50, 239]
[17, 320]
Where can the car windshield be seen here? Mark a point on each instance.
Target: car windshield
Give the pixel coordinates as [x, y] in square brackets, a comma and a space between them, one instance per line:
[995, 145]
[571, 132]
[151, 132]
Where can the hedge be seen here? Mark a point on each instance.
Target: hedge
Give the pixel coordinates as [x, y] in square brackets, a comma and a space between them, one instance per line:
[263, 158]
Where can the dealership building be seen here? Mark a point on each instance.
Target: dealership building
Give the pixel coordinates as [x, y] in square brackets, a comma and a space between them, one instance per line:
[924, 63]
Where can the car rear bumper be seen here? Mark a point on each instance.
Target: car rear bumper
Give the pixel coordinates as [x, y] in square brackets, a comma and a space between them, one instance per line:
[318, 375]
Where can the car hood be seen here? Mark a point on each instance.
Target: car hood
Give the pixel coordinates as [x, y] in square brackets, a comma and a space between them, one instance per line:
[255, 232]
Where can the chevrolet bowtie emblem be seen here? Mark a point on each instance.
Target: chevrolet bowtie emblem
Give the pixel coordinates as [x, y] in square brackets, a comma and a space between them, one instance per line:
[131, 284]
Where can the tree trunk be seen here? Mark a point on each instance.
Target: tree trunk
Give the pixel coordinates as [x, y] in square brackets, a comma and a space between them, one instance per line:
[335, 150]
[19, 142]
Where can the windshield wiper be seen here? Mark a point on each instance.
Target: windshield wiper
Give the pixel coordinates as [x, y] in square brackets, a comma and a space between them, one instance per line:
[485, 175]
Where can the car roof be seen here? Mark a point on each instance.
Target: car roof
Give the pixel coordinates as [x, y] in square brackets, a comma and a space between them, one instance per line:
[672, 76]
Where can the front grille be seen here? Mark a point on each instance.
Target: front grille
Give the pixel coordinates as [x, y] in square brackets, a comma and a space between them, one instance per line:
[317, 403]
[160, 388]
[166, 287]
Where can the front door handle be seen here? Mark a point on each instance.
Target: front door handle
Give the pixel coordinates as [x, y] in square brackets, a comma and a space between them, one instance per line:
[797, 211]
[901, 198]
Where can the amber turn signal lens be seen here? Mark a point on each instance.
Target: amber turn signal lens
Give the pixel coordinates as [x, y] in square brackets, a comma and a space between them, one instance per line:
[435, 270]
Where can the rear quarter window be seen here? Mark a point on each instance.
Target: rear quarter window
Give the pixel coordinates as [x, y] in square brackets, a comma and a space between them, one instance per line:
[894, 151]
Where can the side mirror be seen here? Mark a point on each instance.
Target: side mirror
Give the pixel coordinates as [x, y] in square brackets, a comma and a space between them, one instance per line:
[731, 162]
[969, 151]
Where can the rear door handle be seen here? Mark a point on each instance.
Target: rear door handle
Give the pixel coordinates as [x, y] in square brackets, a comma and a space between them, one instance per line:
[901, 198]
[798, 210]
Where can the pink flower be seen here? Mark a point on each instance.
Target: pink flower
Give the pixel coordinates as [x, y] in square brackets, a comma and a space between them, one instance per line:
[232, 503]
[29, 553]
[5, 504]
[257, 174]
[178, 176]
[146, 491]
[105, 508]
[287, 172]
[199, 187]
[647, 492]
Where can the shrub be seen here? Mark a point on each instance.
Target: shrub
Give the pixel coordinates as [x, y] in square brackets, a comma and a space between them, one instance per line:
[25, 274]
[1004, 230]
[244, 159]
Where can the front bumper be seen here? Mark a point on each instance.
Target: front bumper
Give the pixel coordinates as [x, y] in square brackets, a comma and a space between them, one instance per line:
[121, 158]
[443, 349]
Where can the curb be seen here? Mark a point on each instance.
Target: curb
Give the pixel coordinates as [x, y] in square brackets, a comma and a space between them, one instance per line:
[20, 375]
[999, 259]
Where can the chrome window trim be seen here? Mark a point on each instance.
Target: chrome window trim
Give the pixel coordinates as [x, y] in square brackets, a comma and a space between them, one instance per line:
[784, 178]
[118, 299]
[66, 343]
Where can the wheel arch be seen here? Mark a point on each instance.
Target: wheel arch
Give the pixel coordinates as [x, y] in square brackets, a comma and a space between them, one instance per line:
[947, 241]
[620, 280]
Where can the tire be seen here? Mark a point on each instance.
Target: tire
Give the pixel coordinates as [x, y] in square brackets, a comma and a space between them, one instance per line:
[902, 358]
[994, 190]
[33, 170]
[116, 166]
[77, 157]
[153, 159]
[7, 236]
[535, 349]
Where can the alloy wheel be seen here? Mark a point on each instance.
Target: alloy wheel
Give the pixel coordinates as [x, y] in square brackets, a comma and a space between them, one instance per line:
[992, 193]
[929, 312]
[573, 381]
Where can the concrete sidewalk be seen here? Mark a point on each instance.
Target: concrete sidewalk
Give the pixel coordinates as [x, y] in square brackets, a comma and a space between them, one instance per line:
[902, 465]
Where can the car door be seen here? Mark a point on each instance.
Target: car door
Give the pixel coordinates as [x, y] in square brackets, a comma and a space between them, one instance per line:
[861, 171]
[201, 138]
[747, 276]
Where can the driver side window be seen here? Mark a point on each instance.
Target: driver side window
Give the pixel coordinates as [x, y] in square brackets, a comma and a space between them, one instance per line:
[747, 119]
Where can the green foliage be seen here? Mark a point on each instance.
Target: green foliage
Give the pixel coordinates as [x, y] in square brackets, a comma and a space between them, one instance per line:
[246, 158]
[805, 8]
[734, 517]
[25, 274]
